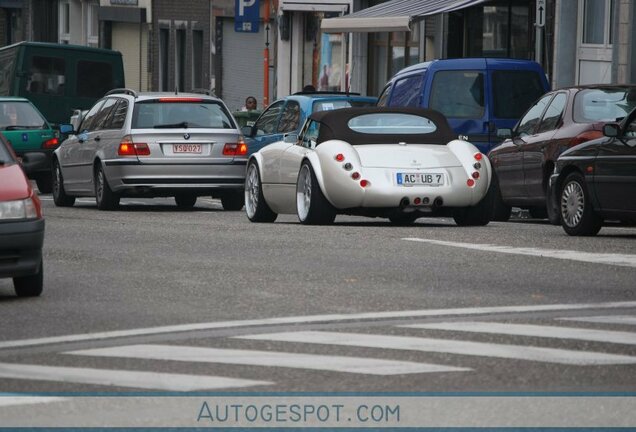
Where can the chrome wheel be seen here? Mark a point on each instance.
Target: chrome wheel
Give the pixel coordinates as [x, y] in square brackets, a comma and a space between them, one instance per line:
[57, 180]
[252, 190]
[99, 185]
[572, 204]
[303, 192]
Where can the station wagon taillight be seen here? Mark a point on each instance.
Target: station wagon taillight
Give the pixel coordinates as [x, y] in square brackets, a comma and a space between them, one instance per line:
[235, 149]
[50, 143]
[129, 148]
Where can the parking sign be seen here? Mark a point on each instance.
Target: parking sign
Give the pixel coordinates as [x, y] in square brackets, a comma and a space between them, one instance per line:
[246, 16]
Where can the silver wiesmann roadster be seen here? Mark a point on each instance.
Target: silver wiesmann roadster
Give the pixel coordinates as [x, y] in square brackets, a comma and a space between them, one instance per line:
[397, 163]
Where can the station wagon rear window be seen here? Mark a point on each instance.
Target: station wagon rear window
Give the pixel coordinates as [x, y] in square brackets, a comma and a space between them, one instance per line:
[166, 114]
[391, 124]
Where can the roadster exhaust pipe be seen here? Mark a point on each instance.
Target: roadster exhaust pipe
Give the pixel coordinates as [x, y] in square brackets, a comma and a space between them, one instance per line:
[404, 202]
[438, 202]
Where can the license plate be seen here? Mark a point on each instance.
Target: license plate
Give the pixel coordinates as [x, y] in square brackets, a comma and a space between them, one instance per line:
[187, 148]
[419, 179]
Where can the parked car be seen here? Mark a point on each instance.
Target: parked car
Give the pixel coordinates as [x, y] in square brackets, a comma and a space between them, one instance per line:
[396, 163]
[287, 115]
[477, 95]
[149, 145]
[21, 226]
[29, 132]
[557, 121]
[596, 181]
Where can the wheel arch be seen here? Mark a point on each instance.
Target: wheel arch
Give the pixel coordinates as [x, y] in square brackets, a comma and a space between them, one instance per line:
[314, 161]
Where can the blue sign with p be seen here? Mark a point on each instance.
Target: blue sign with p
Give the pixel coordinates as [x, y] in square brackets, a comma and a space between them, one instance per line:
[246, 16]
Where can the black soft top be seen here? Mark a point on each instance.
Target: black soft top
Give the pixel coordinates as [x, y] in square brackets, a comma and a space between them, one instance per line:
[334, 125]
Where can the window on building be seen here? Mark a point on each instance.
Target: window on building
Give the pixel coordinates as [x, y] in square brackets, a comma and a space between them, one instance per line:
[164, 46]
[92, 28]
[180, 60]
[390, 52]
[97, 78]
[197, 57]
[597, 22]
[65, 22]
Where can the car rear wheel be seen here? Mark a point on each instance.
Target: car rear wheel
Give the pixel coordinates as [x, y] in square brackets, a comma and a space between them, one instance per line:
[233, 201]
[60, 198]
[311, 205]
[578, 218]
[552, 210]
[45, 183]
[106, 199]
[185, 201]
[29, 286]
[480, 214]
[256, 208]
[501, 211]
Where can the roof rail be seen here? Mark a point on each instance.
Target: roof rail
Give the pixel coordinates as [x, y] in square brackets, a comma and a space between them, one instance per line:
[122, 91]
[326, 93]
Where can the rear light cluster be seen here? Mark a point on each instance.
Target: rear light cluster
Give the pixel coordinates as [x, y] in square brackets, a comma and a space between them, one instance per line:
[235, 149]
[29, 208]
[585, 136]
[477, 165]
[129, 148]
[348, 167]
[51, 143]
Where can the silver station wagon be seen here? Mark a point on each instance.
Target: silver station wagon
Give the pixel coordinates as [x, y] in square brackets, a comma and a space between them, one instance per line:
[150, 145]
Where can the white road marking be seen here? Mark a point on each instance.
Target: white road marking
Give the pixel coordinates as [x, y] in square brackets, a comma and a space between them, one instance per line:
[14, 400]
[356, 365]
[616, 337]
[122, 378]
[623, 260]
[605, 319]
[310, 319]
[518, 352]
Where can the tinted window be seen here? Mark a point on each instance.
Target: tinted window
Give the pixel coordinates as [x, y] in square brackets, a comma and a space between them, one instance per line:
[407, 91]
[529, 121]
[46, 76]
[384, 97]
[119, 115]
[290, 119]
[553, 113]
[594, 105]
[87, 123]
[392, 123]
[195, 113]
[266, 124]
[458, 94]
[96, 78]
[328, 105]
[102, 118]
[20, 114]
[514, 92]
[310, 133]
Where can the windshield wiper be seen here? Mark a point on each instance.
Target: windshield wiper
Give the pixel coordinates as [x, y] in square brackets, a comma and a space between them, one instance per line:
[183, 124]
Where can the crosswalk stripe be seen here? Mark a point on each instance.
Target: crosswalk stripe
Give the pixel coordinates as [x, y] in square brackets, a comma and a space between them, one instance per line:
[617, 337]
[606, 319]
[357, 365]
[481, 349]
[122, 378]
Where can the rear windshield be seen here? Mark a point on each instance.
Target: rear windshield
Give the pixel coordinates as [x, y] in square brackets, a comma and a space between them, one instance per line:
[328, 105]
[391, 124]
[160, 114]
[20, 115]
[603, 104]
[514, 92]
[458, 94]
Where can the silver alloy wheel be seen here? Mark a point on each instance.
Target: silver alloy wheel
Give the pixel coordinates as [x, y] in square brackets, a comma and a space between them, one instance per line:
[58, 180]
[252, 190]
[99, 187]
[572, 204]
[303, 192]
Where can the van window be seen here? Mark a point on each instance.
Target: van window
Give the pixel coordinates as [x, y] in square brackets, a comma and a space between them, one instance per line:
[407, 92]
[47, 76]
[458, 94]
[96, 78]
[514, 92]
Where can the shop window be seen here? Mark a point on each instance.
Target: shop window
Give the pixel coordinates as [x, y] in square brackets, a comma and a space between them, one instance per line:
[65, 22]
[96, 80]
[389, 53]
[497, 30]
[92, 28]
[597, 19]
[47, 76]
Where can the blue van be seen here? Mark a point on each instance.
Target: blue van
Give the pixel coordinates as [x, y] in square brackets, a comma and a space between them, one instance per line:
[477, 95]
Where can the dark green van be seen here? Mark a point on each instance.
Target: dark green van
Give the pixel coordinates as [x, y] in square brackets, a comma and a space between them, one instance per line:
[59, 78]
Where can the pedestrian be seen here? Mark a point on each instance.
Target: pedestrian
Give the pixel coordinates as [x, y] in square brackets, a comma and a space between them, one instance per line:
[250, 104]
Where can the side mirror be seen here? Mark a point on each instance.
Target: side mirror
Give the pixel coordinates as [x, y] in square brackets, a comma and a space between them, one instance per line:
[504, 133]
[611, 130]
[66, 129]
[290, 138]
[248, 131]
[32, 161]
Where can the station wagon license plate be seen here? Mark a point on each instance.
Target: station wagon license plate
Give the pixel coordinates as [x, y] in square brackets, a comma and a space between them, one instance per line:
[187, 148]
[420, 179]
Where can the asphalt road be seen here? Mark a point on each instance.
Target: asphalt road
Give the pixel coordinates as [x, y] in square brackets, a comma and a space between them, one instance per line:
[325, 299]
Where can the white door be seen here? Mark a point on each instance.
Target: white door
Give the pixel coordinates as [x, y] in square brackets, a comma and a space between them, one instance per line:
[595, 37]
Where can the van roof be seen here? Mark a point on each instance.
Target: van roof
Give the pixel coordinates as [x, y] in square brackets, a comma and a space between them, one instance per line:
[472, 63]
[50, 45]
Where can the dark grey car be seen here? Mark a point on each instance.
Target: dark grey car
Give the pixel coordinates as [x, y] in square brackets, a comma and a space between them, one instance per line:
[149, 145]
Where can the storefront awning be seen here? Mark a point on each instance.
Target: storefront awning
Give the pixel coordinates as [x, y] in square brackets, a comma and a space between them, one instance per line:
[341, 6]
[394, 15]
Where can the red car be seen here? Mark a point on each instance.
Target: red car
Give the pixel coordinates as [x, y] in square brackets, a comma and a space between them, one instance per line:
[561, 119]
[21, 226]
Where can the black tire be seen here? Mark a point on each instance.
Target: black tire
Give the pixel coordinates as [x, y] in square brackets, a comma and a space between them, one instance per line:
[404, 219]
[480, 214]
[233, 201]
[105, 198]
[538, 212]
[500, 210]
[185, 201]
[256, 207]
[60, 198]
[29, 286]
[45, 183]
[552, 210]
[314, 209]
[578, 217]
